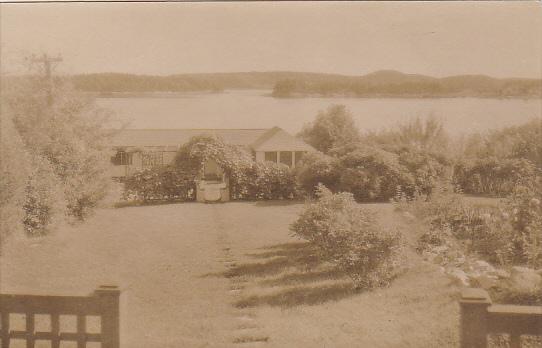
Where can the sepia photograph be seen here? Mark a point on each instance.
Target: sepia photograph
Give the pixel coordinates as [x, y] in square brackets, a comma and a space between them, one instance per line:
[270, 174]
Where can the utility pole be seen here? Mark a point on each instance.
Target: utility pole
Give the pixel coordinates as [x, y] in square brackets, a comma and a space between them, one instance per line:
[47, 68]
[47, 63]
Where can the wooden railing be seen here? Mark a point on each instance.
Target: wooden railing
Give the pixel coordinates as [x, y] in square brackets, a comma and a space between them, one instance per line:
[102, 303]
[480, 318]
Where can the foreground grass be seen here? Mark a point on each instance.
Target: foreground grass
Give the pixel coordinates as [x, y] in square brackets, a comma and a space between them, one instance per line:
[230, 275]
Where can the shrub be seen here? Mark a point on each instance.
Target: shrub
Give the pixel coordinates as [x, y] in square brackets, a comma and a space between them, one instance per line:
[317, 168]
[374, 175]
[524, 209]
[274, 181]
[494, 175]
[159, 184]
[43, 201]
[61, 126]
[509, 233]
[349, 236]
[14, 171]
[429, 170]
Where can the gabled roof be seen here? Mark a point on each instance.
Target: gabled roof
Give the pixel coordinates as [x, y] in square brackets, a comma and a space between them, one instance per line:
[273, 139]
[276, 139]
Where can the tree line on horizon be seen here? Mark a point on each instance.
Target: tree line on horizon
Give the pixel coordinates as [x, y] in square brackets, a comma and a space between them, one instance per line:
[294, 84]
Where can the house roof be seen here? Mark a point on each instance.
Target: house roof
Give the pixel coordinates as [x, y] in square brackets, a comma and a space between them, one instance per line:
[273, 139]
[276, 139]
[177, 137]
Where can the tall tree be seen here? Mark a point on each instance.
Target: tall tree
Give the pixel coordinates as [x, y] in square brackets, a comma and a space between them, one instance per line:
[428, 136]
[331, 128]
[63, 132]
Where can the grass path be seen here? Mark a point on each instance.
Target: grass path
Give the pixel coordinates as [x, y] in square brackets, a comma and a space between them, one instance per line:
[229, 275]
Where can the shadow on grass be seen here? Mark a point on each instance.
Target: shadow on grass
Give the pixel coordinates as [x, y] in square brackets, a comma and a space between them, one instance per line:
[303, 295]
[127, 204]
[278, 259]
[297, 274]
[279, 203]
[304, 277]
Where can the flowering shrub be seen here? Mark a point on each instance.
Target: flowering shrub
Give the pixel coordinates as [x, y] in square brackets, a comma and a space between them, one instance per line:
[428, 169]
[43, 201]
[349, 236]
[371, 173]
[274, 181]
[53, 151]
[248, 179]
[159, 184]
[509, 233]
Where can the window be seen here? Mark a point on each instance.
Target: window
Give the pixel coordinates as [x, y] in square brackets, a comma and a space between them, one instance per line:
[122, 158]
[298, 156]
[152, 159]
[286, 158]
[271, 156]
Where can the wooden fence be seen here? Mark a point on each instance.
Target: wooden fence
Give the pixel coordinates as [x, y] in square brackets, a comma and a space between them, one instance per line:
[479, 318]
[103, 303]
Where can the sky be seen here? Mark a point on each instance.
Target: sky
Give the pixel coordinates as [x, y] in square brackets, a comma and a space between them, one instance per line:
[501, 39]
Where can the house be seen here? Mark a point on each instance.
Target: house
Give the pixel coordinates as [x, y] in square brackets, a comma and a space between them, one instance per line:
[137, 149]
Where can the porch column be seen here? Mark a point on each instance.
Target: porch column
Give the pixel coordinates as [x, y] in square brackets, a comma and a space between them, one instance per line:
[278, 157]
[293, 159]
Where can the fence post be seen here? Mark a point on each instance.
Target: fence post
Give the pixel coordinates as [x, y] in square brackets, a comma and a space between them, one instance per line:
[110, 323]
[473, 305]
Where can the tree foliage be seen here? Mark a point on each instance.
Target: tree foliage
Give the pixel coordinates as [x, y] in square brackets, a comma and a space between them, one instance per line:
[331, 128]
[61, 139]
[425, 136]
[284, 88]
[317, 168]
[496, 162]
[15, 168]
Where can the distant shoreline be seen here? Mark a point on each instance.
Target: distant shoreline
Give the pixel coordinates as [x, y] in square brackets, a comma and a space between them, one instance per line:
[267, 93]
[380, 84]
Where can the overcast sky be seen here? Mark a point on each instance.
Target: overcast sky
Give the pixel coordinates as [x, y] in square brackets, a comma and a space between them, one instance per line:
[501, 39]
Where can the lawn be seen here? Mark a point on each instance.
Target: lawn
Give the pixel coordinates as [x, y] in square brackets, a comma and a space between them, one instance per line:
[231, 275]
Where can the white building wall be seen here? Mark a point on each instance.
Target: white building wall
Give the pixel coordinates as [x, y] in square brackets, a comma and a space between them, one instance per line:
[260, 156]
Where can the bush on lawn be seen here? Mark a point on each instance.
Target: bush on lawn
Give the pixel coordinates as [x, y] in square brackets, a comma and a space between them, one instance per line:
[349, 236]
[494, 176]
[317, 168]
[430, 171]
[160, 184]
[508, 234]
[274, 181]
[374, 175]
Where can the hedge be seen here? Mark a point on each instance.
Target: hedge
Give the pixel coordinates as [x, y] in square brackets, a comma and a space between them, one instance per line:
[160, 184]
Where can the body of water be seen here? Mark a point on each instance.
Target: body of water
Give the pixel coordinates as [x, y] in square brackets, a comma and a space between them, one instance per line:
[255, 109]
